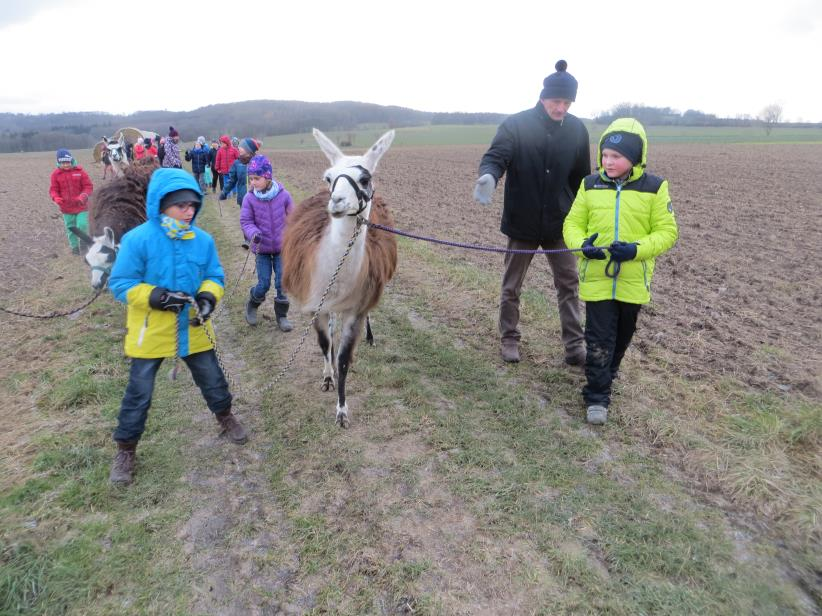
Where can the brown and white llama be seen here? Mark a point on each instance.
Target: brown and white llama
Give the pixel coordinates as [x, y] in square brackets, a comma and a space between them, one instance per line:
[317, 235]
[115, 208]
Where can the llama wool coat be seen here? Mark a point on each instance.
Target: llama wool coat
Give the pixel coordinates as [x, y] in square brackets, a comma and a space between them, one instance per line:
[266, 218]
[149, 258]
[544, 162]
[70, 189]
[638, 210]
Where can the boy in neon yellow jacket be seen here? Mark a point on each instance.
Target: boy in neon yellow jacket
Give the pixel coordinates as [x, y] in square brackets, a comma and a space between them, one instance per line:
[622, 218]
[168, 273]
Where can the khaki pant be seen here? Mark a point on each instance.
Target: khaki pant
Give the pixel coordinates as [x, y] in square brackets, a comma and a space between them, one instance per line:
[566, 280]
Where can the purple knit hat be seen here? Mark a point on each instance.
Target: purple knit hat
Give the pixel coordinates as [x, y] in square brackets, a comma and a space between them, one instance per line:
[260, 166]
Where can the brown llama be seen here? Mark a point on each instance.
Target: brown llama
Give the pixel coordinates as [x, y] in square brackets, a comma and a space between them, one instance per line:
[317, 235]
[115, 208]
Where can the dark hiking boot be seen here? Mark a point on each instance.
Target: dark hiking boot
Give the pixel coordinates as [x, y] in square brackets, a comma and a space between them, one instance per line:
[122, 468]
[251, 310]
[75, 250]
[575, 357]
[280, 311]
[596, 415]
[510, 351]
[232, 428]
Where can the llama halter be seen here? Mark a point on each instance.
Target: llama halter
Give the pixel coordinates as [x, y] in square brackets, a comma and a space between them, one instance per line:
[363, 196]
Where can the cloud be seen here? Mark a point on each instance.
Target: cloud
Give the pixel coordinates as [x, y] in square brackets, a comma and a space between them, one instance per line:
[20, 11]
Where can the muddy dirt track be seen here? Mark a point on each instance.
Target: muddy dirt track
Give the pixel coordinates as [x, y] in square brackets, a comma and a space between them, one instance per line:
[739, 295]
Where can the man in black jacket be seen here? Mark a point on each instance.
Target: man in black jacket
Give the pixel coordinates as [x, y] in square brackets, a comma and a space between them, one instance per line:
[544, 154]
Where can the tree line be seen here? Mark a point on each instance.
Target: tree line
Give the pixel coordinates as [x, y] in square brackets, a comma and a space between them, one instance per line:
[260, 118]
[769, 117]
[26, 133]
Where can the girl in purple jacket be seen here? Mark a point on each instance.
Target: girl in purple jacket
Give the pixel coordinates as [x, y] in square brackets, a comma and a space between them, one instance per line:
[263, 218]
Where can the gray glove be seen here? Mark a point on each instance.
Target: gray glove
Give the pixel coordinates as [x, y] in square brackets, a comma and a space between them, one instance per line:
[484, 189]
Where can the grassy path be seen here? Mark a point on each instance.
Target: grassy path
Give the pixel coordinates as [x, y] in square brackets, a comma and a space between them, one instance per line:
[464, 486]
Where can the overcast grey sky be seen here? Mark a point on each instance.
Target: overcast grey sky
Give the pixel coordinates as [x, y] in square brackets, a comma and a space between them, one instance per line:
[729, 58]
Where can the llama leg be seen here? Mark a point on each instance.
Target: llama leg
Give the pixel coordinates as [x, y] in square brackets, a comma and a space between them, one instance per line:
[351, 330]
[324, 340]
[369, 335]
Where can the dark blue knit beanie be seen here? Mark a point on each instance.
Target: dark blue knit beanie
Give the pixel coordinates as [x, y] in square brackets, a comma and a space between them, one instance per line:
[64, 156]
[560, 84]
[627, 144]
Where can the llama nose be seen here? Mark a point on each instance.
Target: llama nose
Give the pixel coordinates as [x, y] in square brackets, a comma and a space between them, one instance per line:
[338, 203]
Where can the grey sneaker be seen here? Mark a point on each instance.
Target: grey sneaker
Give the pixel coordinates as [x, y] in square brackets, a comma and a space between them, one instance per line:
[596, 414]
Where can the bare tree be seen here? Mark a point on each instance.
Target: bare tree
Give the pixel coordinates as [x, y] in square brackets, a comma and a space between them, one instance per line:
[770, 116]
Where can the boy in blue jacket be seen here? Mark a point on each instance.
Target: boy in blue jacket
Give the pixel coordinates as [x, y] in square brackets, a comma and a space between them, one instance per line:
[168, 273]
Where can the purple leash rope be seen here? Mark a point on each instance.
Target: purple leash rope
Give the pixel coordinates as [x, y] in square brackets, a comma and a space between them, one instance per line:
[519, 251]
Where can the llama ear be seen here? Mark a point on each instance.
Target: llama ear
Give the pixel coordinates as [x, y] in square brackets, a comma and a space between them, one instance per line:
[375, 153]
[109, 234]
[82, 235]
[331, 151]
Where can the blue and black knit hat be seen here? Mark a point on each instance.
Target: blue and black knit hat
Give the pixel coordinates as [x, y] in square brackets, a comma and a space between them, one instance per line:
[560, 84]
[250, 145]
[627, 144]
[64, 156]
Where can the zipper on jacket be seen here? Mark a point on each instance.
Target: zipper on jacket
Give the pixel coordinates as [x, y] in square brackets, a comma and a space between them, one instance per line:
[616, 231]
[645, 276]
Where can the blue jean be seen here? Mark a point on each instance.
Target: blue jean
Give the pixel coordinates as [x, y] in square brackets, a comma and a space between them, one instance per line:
[208, 376]
[266, 265]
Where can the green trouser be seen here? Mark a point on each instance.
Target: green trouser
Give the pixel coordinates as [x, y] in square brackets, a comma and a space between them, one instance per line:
[79, 220]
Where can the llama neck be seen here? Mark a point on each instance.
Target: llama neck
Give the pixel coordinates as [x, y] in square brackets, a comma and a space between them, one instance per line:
[332, 248]
[340, 232]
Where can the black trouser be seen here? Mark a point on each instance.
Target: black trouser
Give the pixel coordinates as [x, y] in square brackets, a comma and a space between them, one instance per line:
[609, 326]
[215, 177]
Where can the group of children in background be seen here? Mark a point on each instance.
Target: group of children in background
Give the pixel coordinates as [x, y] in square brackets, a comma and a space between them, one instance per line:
[619, 210]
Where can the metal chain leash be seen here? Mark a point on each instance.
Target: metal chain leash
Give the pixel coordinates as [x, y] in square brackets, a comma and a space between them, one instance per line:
[360, 223]
[53, 315]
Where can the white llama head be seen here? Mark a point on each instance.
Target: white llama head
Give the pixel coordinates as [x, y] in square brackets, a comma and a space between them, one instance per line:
[350, 177]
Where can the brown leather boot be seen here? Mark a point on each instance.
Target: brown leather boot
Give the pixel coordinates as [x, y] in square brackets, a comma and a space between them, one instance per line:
[122, 468]
[232, 427]
[509, 349]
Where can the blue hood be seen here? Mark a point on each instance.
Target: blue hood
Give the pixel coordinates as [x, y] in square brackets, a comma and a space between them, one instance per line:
[164, 181]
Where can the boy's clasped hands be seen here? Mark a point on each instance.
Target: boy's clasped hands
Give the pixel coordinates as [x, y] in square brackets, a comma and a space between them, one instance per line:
[175, 301]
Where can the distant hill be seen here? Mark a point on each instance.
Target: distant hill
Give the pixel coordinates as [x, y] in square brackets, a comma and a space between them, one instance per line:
[24, 133]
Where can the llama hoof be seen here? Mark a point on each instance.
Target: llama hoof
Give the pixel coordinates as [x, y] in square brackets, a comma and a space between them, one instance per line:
[328, 384]
[342, 420]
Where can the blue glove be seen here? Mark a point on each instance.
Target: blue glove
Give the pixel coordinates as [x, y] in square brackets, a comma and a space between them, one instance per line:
[590, 251]
[622, 251]
[484, 189]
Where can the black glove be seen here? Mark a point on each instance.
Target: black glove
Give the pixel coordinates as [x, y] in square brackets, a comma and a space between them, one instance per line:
[257, 238]
[590, 251]
[222, 196]
[163, 299]
[622, 251]
[206, 303]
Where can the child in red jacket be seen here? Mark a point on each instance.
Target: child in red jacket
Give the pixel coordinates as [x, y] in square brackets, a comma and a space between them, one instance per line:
[70, 189]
